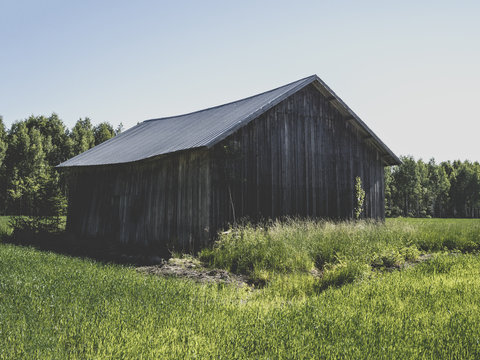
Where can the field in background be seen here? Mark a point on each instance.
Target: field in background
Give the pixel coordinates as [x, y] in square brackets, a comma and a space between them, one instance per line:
[354, 306]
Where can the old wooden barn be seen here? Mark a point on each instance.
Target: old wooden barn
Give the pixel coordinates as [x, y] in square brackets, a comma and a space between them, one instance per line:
[175, 182]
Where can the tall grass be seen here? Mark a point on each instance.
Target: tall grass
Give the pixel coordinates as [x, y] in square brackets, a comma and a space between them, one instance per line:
[302, 245]
[56, 307]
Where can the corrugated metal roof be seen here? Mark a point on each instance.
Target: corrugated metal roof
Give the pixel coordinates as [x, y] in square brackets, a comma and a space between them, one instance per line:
[198, 129]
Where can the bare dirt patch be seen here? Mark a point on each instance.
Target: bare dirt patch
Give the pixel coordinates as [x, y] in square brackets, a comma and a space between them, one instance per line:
[191, 268]
[422, 258]
[407, 264]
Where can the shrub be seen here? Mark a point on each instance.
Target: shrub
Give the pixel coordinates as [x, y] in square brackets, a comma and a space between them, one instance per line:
[36, 224]
[359, 197]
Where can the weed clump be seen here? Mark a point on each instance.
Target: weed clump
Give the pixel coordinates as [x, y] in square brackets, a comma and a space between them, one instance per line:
[343, 272]
[299, 246]
[256, 252]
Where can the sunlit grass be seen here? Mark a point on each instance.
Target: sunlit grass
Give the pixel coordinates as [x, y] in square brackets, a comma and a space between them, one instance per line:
[302, 245]
[53, 306]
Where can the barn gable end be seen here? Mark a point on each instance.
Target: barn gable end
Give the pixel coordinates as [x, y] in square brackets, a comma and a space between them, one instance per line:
[292, 151]
[299, 158]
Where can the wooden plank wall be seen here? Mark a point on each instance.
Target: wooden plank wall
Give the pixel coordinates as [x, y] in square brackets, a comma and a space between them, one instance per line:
[298, 159]
[157, 203]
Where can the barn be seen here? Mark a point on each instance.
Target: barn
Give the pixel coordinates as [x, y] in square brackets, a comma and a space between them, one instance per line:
[174, 182]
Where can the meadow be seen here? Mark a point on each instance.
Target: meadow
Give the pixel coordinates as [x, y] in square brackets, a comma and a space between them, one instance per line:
[322, 290]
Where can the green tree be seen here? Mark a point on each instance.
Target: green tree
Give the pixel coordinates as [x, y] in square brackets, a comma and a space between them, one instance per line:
[389, 190]
[33, 187]
[450, 189]
[29, 183]
[3, 141]
[441, 188]
[55, 137]
[82, 136]
[406, 180]
[103, 132]
[27, 167]
[475, 191]
[3, 177]
[424, 197]
[458, 190]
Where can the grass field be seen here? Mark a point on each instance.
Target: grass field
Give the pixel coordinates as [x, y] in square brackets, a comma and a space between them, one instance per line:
[53, 306]
[342, 249]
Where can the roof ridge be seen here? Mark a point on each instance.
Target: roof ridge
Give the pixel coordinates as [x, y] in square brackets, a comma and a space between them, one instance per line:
[207, 127]
[314, 76]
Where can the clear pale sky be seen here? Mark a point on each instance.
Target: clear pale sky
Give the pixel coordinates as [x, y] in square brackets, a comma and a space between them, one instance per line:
[409, 69]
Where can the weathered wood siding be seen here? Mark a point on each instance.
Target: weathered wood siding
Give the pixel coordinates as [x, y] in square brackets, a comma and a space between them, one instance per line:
[299, 159]
[162, 203]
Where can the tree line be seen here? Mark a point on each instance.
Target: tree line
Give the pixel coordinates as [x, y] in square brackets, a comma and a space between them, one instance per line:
[30, 185]
[29, 152]
[419, 189]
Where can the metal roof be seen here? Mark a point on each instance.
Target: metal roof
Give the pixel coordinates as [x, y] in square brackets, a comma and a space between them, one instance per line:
[205, 128]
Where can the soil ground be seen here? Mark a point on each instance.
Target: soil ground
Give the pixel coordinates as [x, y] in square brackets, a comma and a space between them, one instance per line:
[191, 268]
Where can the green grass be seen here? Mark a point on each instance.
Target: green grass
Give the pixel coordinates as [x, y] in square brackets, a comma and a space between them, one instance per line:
[300, 246]
[53, 306]
[4, 225]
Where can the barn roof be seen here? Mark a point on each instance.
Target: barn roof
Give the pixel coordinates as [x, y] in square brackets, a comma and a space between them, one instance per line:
[206, 128]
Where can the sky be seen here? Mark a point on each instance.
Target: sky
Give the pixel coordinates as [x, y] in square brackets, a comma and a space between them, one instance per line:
[409, 69]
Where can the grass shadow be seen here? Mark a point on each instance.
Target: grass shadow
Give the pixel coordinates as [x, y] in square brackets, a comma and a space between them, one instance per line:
[108, 251]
